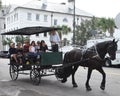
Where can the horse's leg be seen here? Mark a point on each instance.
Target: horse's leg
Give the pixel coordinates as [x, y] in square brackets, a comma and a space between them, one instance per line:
[88, 88]
[104, 78]
[74, 69]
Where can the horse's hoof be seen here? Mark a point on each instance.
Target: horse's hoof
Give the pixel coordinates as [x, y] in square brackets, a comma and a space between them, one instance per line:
[88, 88]
[102, 87]
[75, 85]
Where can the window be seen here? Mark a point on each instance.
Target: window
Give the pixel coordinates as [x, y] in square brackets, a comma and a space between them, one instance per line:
[8, 20]
[37, 17]
[15, 16]
[4, 26]
[29, 16]
[45, 18]
[55, 21]
[65, 20]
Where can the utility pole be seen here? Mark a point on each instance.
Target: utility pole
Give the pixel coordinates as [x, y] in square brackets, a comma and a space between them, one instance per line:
[74, 22]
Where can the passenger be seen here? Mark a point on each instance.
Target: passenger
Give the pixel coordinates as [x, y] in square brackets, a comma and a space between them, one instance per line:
[32, 51]
[37, 47]
[43, 46]
[13, 52]
[19, 52]
[26, 47]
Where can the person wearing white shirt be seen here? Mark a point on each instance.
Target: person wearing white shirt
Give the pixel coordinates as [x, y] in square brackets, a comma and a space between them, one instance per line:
[55, 40]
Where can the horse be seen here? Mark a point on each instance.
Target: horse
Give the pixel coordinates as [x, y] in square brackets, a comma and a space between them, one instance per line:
[93, 58]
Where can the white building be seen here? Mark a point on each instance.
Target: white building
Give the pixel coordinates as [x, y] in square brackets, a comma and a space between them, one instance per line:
[43, 13]
[3, 11]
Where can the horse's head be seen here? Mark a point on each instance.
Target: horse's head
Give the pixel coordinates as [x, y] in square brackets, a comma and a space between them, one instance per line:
[62, 74]
[111, 49]
[65, 71]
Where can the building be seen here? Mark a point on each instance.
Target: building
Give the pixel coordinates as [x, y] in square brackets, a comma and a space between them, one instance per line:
[3, 11]
[43, 13]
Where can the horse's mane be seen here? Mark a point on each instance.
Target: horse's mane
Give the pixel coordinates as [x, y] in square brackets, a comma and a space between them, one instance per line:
[101, 44]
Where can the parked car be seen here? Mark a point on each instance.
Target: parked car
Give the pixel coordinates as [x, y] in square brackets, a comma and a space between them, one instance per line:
[4, 54]
[115, 62]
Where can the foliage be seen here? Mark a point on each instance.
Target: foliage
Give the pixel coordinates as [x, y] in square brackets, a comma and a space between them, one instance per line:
[0, 4]
[7, 41]
[83, 32]
[89, 28]
[106, 25]
[65, 30]
[21, 39]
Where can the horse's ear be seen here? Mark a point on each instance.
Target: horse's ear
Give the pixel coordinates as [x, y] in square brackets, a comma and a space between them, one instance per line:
[113, 40]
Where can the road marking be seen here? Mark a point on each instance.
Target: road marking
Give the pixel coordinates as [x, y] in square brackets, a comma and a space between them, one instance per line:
[113, 73]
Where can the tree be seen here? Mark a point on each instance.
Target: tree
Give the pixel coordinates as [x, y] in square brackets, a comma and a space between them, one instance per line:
[84, 31]
[106, 25]
[111, 26]
[0, 4]
[7, 41]
[21, 39]
[65, 30]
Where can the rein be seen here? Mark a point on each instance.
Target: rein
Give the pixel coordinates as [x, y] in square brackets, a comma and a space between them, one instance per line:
[73, 63]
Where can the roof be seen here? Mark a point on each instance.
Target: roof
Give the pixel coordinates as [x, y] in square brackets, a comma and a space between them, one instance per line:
[52, 7]
[30, 30]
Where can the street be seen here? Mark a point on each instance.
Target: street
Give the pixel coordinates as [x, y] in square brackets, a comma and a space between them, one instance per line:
[49, 85]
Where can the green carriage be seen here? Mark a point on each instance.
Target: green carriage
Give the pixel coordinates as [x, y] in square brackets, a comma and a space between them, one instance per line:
[47, 61]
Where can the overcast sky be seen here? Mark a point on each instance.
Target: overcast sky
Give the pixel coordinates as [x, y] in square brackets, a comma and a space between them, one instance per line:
[99, 8]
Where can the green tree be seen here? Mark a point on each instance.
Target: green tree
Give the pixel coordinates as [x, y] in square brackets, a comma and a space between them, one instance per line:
[105, 24]
[0, 4]
[21, 39]
[84, 31]
[7, 41]
[111, 26]
[65, 30]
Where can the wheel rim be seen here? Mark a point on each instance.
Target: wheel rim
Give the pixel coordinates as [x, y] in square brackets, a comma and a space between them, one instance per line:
[35, 76]
[13, 72]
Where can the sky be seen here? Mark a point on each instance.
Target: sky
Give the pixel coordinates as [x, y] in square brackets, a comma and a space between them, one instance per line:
[99, 8]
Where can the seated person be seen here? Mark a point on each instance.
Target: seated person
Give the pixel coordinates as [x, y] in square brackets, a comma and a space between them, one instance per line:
[13, 52]
[33, 53]
[37, 47]
[19, 52]
[32, 50]
[43, 46]
[26, 47]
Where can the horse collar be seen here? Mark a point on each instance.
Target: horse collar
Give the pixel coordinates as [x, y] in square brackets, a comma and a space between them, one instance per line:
[97, 53]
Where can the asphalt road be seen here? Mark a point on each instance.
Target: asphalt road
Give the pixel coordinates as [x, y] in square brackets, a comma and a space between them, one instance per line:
[49, 86]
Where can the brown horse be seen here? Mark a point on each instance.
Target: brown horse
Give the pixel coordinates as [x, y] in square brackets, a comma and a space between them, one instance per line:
[93, 58]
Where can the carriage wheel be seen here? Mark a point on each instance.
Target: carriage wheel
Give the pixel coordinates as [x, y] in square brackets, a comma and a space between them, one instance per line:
[35, 76]
[13, 72]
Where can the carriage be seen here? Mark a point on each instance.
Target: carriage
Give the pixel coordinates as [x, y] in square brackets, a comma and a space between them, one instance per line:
[93, 58]
[38, 67]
